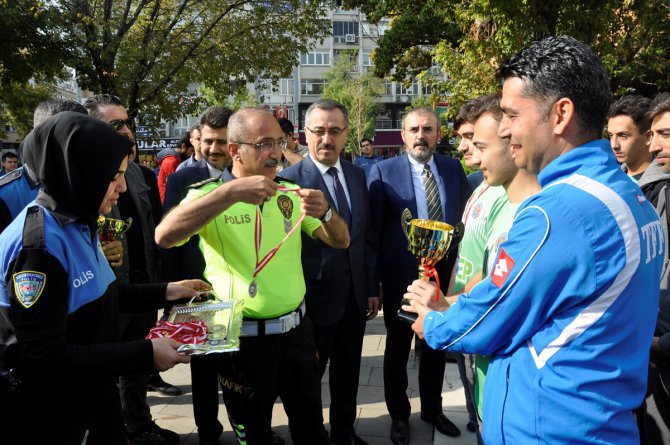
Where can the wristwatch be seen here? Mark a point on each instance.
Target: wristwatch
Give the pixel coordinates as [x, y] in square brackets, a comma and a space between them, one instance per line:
[328, 215]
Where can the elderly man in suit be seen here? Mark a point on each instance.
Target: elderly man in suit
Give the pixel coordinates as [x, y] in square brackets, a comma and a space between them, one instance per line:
[430, 186]
[339, 297]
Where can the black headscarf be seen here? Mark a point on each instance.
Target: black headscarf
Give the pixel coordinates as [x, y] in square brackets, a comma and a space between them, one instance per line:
[74, 157]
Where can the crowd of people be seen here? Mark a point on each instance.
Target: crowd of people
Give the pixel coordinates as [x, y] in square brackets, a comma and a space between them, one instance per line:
[554, 304]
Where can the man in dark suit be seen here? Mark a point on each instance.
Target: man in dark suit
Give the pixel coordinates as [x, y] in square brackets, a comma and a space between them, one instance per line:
[187, 261]
[410, 182]
[339, 298]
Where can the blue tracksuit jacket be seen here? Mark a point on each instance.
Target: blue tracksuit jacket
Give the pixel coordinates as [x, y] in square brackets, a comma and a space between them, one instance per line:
[568, 312]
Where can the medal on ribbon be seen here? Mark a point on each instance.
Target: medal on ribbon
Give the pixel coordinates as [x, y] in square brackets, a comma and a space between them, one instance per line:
[285, 205]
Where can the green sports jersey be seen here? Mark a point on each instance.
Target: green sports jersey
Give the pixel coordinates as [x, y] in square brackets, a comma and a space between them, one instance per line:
[499, 230]
[480, 212]
[227, 243]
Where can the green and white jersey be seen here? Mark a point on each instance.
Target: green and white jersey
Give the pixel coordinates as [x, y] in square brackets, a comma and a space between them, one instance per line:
[480, 211]
[499, 230]
[228, 246]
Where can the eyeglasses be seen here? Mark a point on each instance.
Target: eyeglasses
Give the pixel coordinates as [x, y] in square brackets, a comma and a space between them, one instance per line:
[266, 146]
[320, 132]
[117, 124]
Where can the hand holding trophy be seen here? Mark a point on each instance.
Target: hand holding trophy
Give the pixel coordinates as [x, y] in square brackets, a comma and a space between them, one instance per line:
[111, 229]
[429, 241]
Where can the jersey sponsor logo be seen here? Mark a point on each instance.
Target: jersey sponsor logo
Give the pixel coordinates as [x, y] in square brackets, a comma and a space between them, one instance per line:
[652, 234]
[640, 198]
[502, 268]
[83, 278]
[28, 286]
[477, 210]
[237, 219]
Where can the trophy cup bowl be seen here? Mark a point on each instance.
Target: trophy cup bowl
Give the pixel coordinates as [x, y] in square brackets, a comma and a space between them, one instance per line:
[112, 229]
[429, 241]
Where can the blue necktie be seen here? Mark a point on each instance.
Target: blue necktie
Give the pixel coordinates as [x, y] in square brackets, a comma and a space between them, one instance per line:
[340, 197]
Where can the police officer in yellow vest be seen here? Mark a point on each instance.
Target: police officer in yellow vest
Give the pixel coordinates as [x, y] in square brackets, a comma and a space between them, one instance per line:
[277, 354]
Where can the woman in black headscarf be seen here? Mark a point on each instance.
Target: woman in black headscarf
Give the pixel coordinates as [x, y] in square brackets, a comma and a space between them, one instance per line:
[58, 307]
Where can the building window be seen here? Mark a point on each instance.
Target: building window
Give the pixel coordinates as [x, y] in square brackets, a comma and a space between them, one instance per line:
[366, 57]
[315, 58]
[411, 90]
[345, 32]
[312, 86]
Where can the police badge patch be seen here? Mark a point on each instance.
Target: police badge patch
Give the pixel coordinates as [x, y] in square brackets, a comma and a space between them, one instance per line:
[28, 287]
[285, 206]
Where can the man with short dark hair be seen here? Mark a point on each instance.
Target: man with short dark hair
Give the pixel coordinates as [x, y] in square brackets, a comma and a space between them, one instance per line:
[368, 156]
[628, 127]
[464, 124]
[338, 296]
[194, 138]
[566, 315]
[429, 186]
[187, 260]
[655, 183]
[140, 265]
[10, 162]
[294, 152]
[168, 160]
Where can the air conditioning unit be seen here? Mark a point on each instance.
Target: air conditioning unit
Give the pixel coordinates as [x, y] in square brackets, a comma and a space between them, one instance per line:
[350, 38]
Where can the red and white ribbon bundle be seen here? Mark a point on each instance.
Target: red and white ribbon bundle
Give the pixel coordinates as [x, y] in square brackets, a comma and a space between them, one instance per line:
[194, 332]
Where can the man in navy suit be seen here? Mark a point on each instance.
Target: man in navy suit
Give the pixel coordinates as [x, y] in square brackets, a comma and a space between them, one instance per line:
[339, 298]
[187, 260]
[395, 185]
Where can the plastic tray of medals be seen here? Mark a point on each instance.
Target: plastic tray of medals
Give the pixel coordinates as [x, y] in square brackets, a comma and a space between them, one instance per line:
[223, 322]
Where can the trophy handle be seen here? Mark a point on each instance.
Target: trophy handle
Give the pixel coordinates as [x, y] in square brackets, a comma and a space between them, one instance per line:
[459, 231]
[405, 219]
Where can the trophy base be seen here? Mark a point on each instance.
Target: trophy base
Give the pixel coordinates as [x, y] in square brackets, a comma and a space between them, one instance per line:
[409, 317]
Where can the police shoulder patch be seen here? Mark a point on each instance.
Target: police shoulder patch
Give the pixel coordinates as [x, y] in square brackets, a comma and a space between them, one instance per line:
[197, 185]
[28, 286]
[11, 176]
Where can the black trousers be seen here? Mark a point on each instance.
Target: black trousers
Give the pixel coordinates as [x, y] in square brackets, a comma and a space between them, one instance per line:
[342, 344]
[268, 366]
[205, 393]
[399, 337]
[655, 429]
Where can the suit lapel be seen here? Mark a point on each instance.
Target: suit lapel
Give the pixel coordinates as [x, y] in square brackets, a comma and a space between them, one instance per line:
[444, 178]
[316, 179]
[406, 182]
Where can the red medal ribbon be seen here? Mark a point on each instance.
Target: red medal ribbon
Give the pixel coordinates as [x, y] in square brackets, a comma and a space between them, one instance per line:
[259, 234]
[194, 332]
[430, 271]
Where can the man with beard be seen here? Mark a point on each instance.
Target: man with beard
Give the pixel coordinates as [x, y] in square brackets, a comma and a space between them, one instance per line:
[237, 221]
[187, 260]
[139, 263]
[430, 186]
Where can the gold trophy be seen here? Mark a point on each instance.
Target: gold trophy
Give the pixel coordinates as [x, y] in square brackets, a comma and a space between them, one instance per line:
[111, 229]
[429, 241]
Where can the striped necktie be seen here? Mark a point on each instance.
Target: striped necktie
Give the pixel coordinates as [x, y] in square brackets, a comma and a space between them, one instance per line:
[432, 194]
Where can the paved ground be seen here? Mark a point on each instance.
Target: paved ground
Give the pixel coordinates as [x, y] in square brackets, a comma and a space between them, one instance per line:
[373, 423]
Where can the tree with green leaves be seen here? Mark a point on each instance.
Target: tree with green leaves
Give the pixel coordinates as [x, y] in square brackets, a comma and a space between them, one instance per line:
[470, 39]
[151, 53]
[359, 93]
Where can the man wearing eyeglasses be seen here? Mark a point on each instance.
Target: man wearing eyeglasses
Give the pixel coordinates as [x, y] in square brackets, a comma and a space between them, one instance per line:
[338, 296]
[139, 265]
[429, 186]
[277, 354]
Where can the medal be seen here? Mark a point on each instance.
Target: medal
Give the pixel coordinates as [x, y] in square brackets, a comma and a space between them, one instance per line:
[286, 208]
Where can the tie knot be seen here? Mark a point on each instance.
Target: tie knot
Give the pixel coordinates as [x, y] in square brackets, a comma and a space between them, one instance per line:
[426, 170]
[332, 171]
